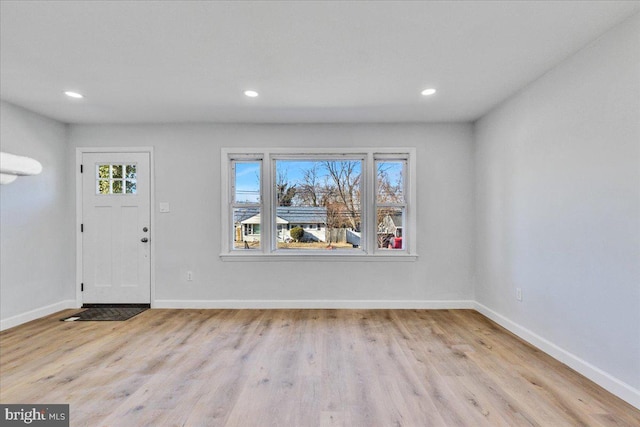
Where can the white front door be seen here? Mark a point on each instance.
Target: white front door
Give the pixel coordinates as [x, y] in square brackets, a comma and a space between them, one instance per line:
[116, 264]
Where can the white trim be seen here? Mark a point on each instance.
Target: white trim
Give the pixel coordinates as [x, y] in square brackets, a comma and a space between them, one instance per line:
[152, 226]
[409, 191]
[317, 304]
[268, 227]
[37, 313]
[319, 256]
[619, 388]
[79, 152]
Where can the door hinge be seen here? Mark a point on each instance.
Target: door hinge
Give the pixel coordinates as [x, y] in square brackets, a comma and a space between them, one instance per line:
[81, 169]
[81, 287]
[82, 228]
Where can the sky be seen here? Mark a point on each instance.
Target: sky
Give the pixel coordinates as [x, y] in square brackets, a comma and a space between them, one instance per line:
[248, 182]
[247, 175]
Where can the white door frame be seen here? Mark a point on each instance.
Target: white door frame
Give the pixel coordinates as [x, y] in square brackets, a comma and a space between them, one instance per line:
[79, 152]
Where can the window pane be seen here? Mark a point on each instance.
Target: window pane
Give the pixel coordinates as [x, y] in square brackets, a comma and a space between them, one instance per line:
[117, 187]
[318, 204]
[131, 171]
[116, 170]
[103, 186]
[390, 181]
[131, 187]
[247, 182]
[246, 228]
[390, 228]
[103, 171]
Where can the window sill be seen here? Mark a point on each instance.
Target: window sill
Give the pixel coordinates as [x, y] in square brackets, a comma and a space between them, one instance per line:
[318, 257]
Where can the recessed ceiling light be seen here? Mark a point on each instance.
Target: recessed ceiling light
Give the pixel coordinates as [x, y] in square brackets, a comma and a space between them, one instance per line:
[72, 94]
[428, 92]
[251, 93]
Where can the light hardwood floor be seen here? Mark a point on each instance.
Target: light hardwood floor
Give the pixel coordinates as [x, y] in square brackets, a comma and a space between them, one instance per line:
[297, 368]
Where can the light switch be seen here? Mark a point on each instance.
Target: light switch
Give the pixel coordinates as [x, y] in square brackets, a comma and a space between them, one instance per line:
[164, 207]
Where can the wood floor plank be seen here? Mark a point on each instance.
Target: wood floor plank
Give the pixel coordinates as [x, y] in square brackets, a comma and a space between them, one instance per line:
[297, 368]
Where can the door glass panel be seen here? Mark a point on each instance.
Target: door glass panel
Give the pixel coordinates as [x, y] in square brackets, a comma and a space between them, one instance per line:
[103, 186]
[116, 179]
[131, 187]
[103, 171]
[116, 171]
[117, 187]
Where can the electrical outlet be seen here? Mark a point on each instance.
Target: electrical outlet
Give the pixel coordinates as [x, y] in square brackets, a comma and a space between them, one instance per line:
[189, 275]
[519, 294]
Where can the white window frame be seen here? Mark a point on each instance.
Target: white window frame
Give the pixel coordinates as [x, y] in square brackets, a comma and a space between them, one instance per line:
[317, 156]
[228, 192]
[404, 205]
[268, 226]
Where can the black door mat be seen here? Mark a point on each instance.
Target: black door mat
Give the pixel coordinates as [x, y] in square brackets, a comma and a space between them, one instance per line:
[106, 314]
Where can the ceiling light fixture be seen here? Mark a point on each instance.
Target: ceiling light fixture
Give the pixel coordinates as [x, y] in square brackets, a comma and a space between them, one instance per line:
[72, 94]
[251, 93]
[428, 92]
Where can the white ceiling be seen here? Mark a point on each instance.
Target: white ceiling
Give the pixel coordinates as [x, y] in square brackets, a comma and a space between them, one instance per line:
[179, 61]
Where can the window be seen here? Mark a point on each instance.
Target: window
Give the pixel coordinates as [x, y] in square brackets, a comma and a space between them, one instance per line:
[319, 203]
[251, 229]
[115, 179]
[390, 202]
[318, 189]
[246, 202]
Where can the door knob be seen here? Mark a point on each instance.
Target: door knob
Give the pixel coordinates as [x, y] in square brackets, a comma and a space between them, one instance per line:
[144, 240]
[145, 229]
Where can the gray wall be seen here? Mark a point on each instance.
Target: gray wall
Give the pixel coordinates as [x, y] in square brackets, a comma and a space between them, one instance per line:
[558, 205]
[188, 238]
[36, 216]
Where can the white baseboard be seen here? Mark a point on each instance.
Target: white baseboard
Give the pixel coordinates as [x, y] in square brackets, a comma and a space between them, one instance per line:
[621, 389]
[317, 304]
[19, 319]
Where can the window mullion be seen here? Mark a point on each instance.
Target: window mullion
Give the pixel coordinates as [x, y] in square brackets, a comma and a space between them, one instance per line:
[369, 202]
[268, 217]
